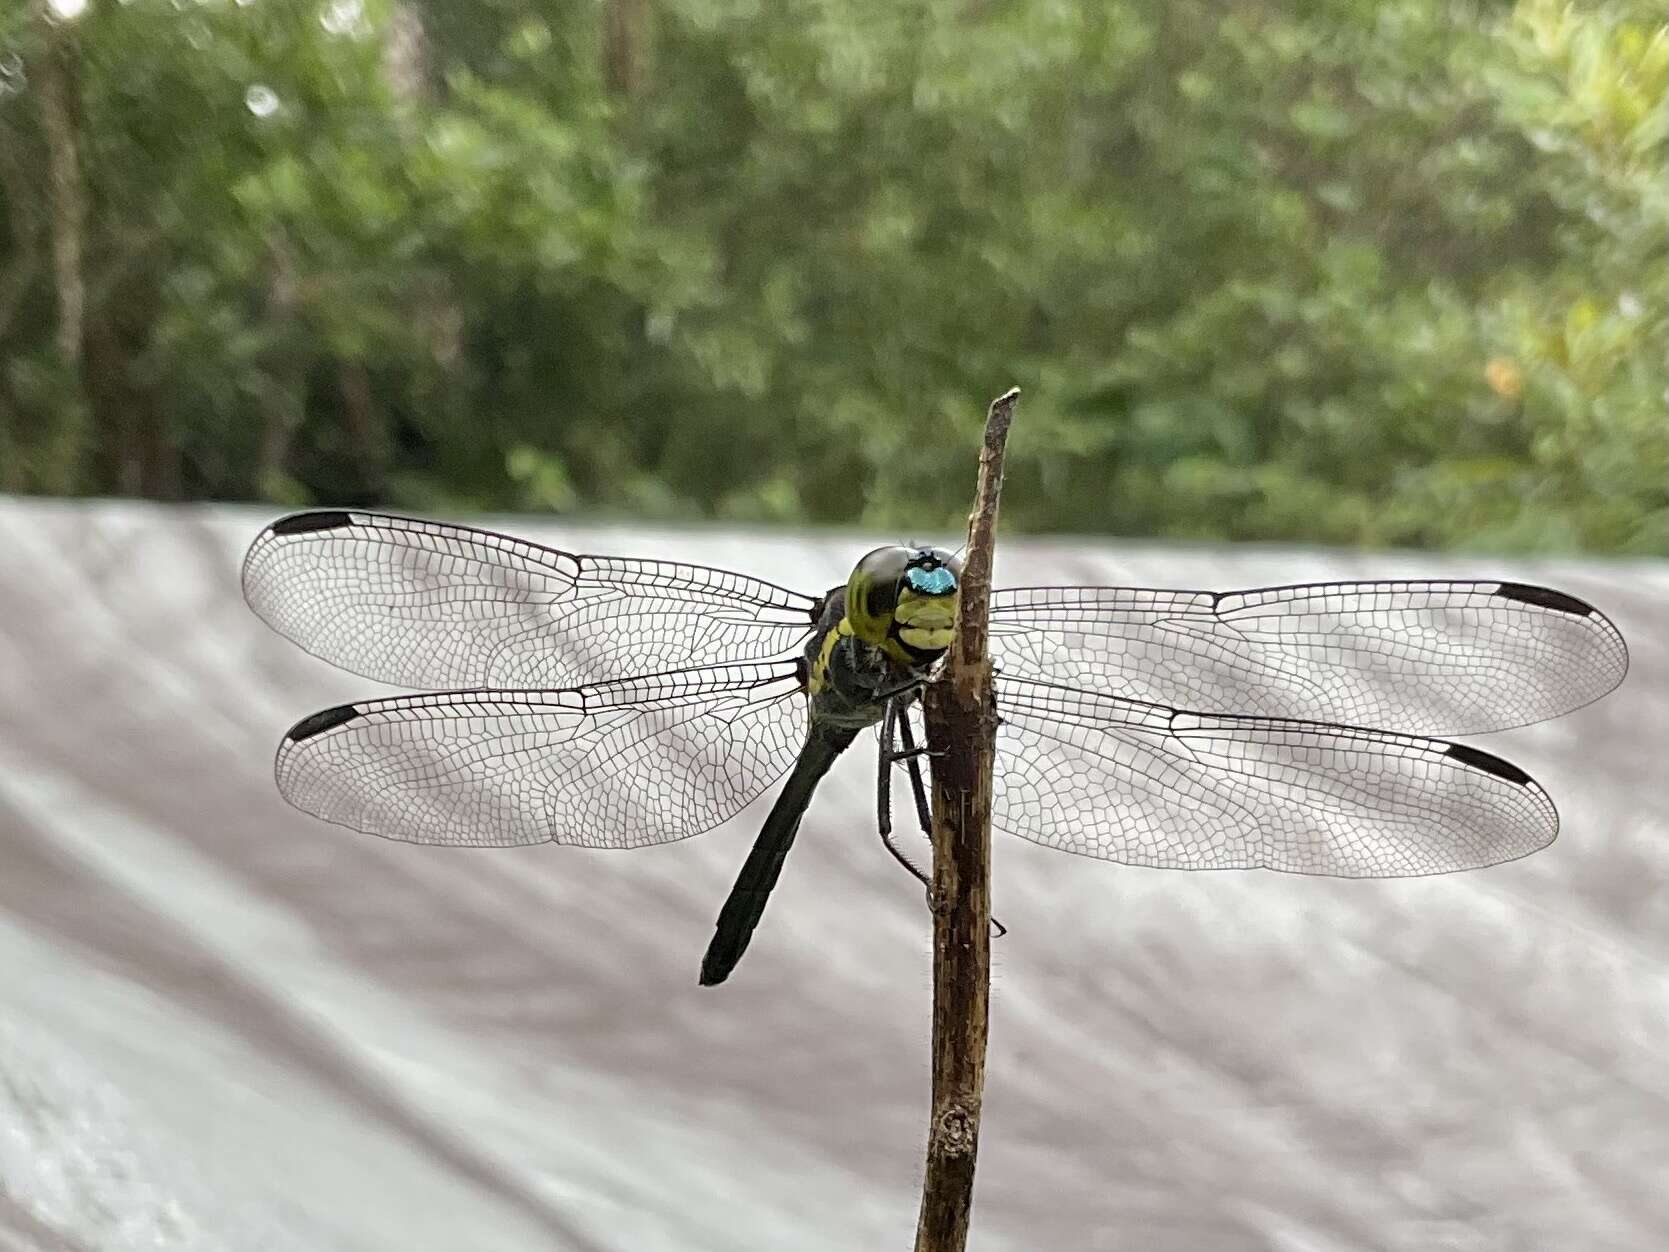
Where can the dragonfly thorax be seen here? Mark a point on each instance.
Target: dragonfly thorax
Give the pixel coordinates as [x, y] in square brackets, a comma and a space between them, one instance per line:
[881, 634]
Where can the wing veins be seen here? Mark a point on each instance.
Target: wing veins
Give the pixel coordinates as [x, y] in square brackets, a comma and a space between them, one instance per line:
[624, 763]
[1421, 656]
[1143, 783]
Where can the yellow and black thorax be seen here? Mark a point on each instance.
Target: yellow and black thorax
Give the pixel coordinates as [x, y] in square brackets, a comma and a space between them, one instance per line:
[891, 622]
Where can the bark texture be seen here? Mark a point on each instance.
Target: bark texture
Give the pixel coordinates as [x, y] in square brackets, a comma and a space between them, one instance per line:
[961, 717]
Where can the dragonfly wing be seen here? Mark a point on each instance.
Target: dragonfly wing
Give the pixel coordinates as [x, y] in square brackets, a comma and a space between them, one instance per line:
[614, 765]
[1148, 785]
[1453, 658]
[428, 604]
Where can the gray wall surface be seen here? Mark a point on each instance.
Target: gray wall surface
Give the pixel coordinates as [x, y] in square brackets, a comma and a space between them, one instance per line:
[225, 1025]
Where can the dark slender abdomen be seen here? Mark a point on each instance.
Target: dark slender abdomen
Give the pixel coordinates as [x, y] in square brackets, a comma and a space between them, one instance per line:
[746, 905]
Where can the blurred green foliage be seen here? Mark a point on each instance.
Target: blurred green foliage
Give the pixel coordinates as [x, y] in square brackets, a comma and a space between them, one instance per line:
[1351, 271]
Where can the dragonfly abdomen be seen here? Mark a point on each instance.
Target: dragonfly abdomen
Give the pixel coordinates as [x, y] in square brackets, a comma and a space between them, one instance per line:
[747, 900]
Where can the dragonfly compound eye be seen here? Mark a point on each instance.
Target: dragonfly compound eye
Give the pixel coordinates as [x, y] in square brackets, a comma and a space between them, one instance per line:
[873, 590]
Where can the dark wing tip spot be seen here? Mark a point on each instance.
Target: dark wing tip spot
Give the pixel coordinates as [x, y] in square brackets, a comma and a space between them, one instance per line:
[1489, 764]
[302, 523]
[1546, 597]
[323, 720]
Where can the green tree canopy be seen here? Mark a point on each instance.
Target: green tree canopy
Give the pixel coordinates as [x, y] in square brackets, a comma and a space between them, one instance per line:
[1357, 272]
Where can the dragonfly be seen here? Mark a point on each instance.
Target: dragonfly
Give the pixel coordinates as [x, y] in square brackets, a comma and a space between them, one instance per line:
[622, 702]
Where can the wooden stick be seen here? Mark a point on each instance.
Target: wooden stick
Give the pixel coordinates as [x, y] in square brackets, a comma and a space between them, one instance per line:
[961, 717]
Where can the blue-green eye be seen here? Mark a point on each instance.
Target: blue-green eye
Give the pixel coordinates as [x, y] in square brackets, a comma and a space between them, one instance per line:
[931, 582]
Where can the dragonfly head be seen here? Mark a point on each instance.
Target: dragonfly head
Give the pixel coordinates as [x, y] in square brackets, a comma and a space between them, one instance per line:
[903, 600]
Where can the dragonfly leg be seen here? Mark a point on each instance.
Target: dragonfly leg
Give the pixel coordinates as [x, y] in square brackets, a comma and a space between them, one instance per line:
[883, 791]
[903, 689]
[883, 782]
[912, 755]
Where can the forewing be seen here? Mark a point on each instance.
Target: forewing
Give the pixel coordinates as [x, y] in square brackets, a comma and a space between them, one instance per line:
[613, 765]
[1454, 658]
[428, 604]
[1147, 785]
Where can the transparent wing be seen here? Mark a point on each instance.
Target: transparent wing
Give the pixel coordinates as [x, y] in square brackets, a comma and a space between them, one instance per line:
[426, 604]
[614, 765]
[1453, 658]
[1148, 785]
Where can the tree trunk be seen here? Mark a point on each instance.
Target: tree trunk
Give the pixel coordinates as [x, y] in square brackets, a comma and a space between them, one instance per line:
[623, 30]
[59, 445]
[405, 55]
[55, 84]
[281, 401]
[360, 410]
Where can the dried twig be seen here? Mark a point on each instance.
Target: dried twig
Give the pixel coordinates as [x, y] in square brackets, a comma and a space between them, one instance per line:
[961, 717]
